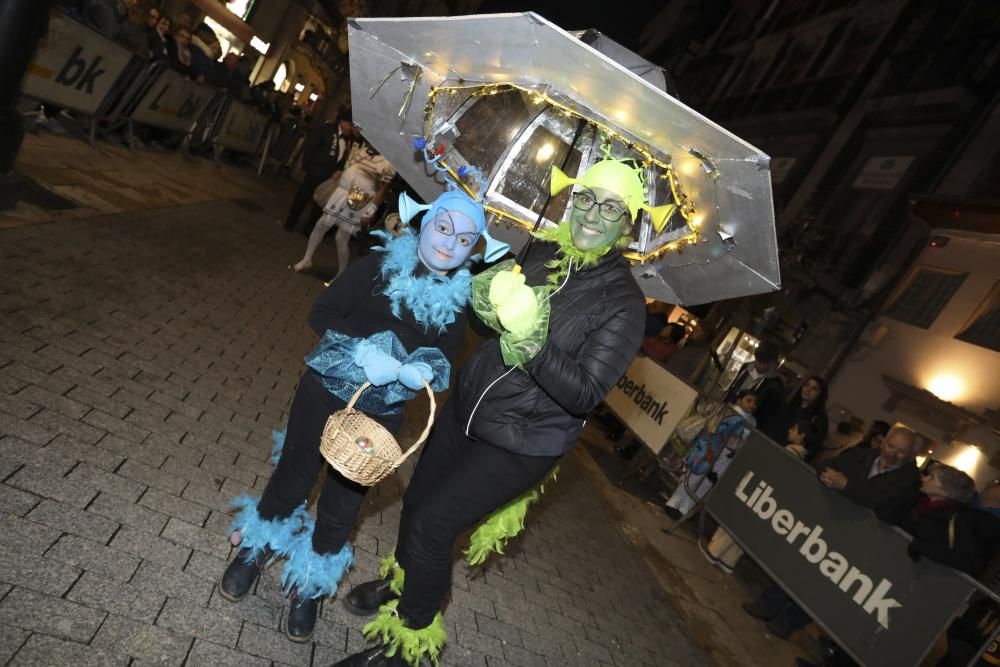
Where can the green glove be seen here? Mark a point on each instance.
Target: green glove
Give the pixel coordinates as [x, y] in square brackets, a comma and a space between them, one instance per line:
[519, 310]
[503, 285]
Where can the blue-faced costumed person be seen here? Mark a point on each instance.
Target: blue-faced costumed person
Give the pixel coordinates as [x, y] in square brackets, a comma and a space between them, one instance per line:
[394, 319]
[566, 326]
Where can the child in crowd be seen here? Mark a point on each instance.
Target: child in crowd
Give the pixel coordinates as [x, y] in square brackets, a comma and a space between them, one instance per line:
[711, 452]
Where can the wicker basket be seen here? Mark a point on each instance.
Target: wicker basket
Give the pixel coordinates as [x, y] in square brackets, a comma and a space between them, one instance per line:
[360, 448]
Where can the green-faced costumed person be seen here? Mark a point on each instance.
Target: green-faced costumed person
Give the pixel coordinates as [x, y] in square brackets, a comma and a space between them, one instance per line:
[563, 329]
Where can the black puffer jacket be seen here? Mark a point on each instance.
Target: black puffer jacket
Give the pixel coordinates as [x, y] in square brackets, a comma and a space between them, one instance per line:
[595, 329]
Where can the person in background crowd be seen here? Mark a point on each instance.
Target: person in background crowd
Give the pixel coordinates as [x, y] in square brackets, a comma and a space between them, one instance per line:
[664, 343]
[152, 18]
[111, 18]
[807, 403]
[944, 529]
[711, 452]
[656, 317]
[235, 81]
[352, 206]
[722, 550]
[179, 50]
[885, 481]
[324, 153]
[799, 435]
[971, 630]
[848, 434]
[760, 376]
[695, 357]
[158, 39]
[205, 52]
[876, 433]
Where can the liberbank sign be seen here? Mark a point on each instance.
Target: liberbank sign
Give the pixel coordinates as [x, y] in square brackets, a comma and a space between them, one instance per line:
[847, 569]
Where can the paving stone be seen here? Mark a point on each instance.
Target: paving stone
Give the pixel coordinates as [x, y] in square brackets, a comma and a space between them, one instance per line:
[119, 427]
[73, 450]
[205, 566]
[207, 654]
[59, 403]
[149, 547]
[37, 573]
[55, 421]
[273, 645]
[93, 557]
[42, 650]
[99, 592]
[507, 634]
[47, 380]
[25, 429]
[107, 482]
[128, 513]
[148, 644]
[174, 506]
[26, 536]
[16, 502]
[252, 608]
[176, 584]
[194, 474]
[43, 613]
[196, 537]
[11, 639]
[71, 520]
[157, 479]
[218, 627]
[23, 452]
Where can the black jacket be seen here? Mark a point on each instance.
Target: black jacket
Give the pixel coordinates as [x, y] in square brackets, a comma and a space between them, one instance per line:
[890, 495]
[320, 149]
[770, 392]
[355, 305]
[595, 329]
[959, 537]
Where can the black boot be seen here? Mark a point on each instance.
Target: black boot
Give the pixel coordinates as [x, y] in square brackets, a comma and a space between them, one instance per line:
[365, 599]
[239, 577]
[373, 657]
[301, 619]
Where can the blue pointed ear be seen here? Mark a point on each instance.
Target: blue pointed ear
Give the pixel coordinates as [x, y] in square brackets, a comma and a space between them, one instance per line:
[494, 249]
[409, 207]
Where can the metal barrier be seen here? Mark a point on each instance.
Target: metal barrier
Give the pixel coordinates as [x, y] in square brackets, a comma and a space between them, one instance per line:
[81, 70]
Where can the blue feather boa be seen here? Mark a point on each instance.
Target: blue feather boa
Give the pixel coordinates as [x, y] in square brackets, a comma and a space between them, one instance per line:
[259, 534]
[314, 575]
[433, 299]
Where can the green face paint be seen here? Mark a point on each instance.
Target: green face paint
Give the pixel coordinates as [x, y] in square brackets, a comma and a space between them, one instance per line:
[591, 229]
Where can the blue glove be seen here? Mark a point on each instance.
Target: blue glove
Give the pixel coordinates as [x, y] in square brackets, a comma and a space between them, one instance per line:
[379, 367]
[413, 375]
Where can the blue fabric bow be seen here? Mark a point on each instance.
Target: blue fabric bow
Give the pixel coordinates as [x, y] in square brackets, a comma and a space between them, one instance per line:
[333, 362]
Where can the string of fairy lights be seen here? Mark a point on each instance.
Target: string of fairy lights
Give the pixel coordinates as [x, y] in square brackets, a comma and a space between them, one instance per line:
[685, 205]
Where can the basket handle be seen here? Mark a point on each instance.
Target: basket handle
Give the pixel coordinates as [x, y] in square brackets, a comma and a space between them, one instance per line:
[427, 429]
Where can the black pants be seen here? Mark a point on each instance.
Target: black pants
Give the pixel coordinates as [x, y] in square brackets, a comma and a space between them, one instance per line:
[458, 481]
[300, 465]
[304, 197]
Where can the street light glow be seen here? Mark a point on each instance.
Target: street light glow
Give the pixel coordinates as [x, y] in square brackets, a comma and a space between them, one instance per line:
[946, 386]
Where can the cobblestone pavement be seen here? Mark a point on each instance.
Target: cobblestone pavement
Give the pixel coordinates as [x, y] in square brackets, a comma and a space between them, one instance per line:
[144, 360]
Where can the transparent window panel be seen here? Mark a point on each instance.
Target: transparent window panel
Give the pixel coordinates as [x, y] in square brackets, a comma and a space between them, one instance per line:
[488, 126]
[527, 178]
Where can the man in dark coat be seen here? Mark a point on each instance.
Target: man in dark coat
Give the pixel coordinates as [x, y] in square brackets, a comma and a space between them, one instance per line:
[324, 153]
[761, 377]
[884, 480]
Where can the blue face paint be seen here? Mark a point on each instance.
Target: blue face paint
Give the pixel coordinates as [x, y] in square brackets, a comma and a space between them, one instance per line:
[446, 239]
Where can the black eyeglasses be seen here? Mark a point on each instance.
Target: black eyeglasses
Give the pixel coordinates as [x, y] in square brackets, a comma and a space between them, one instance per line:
[609, 210]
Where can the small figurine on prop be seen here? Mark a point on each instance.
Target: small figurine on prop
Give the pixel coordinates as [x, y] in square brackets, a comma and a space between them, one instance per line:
[390, 326]
[569, 318]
